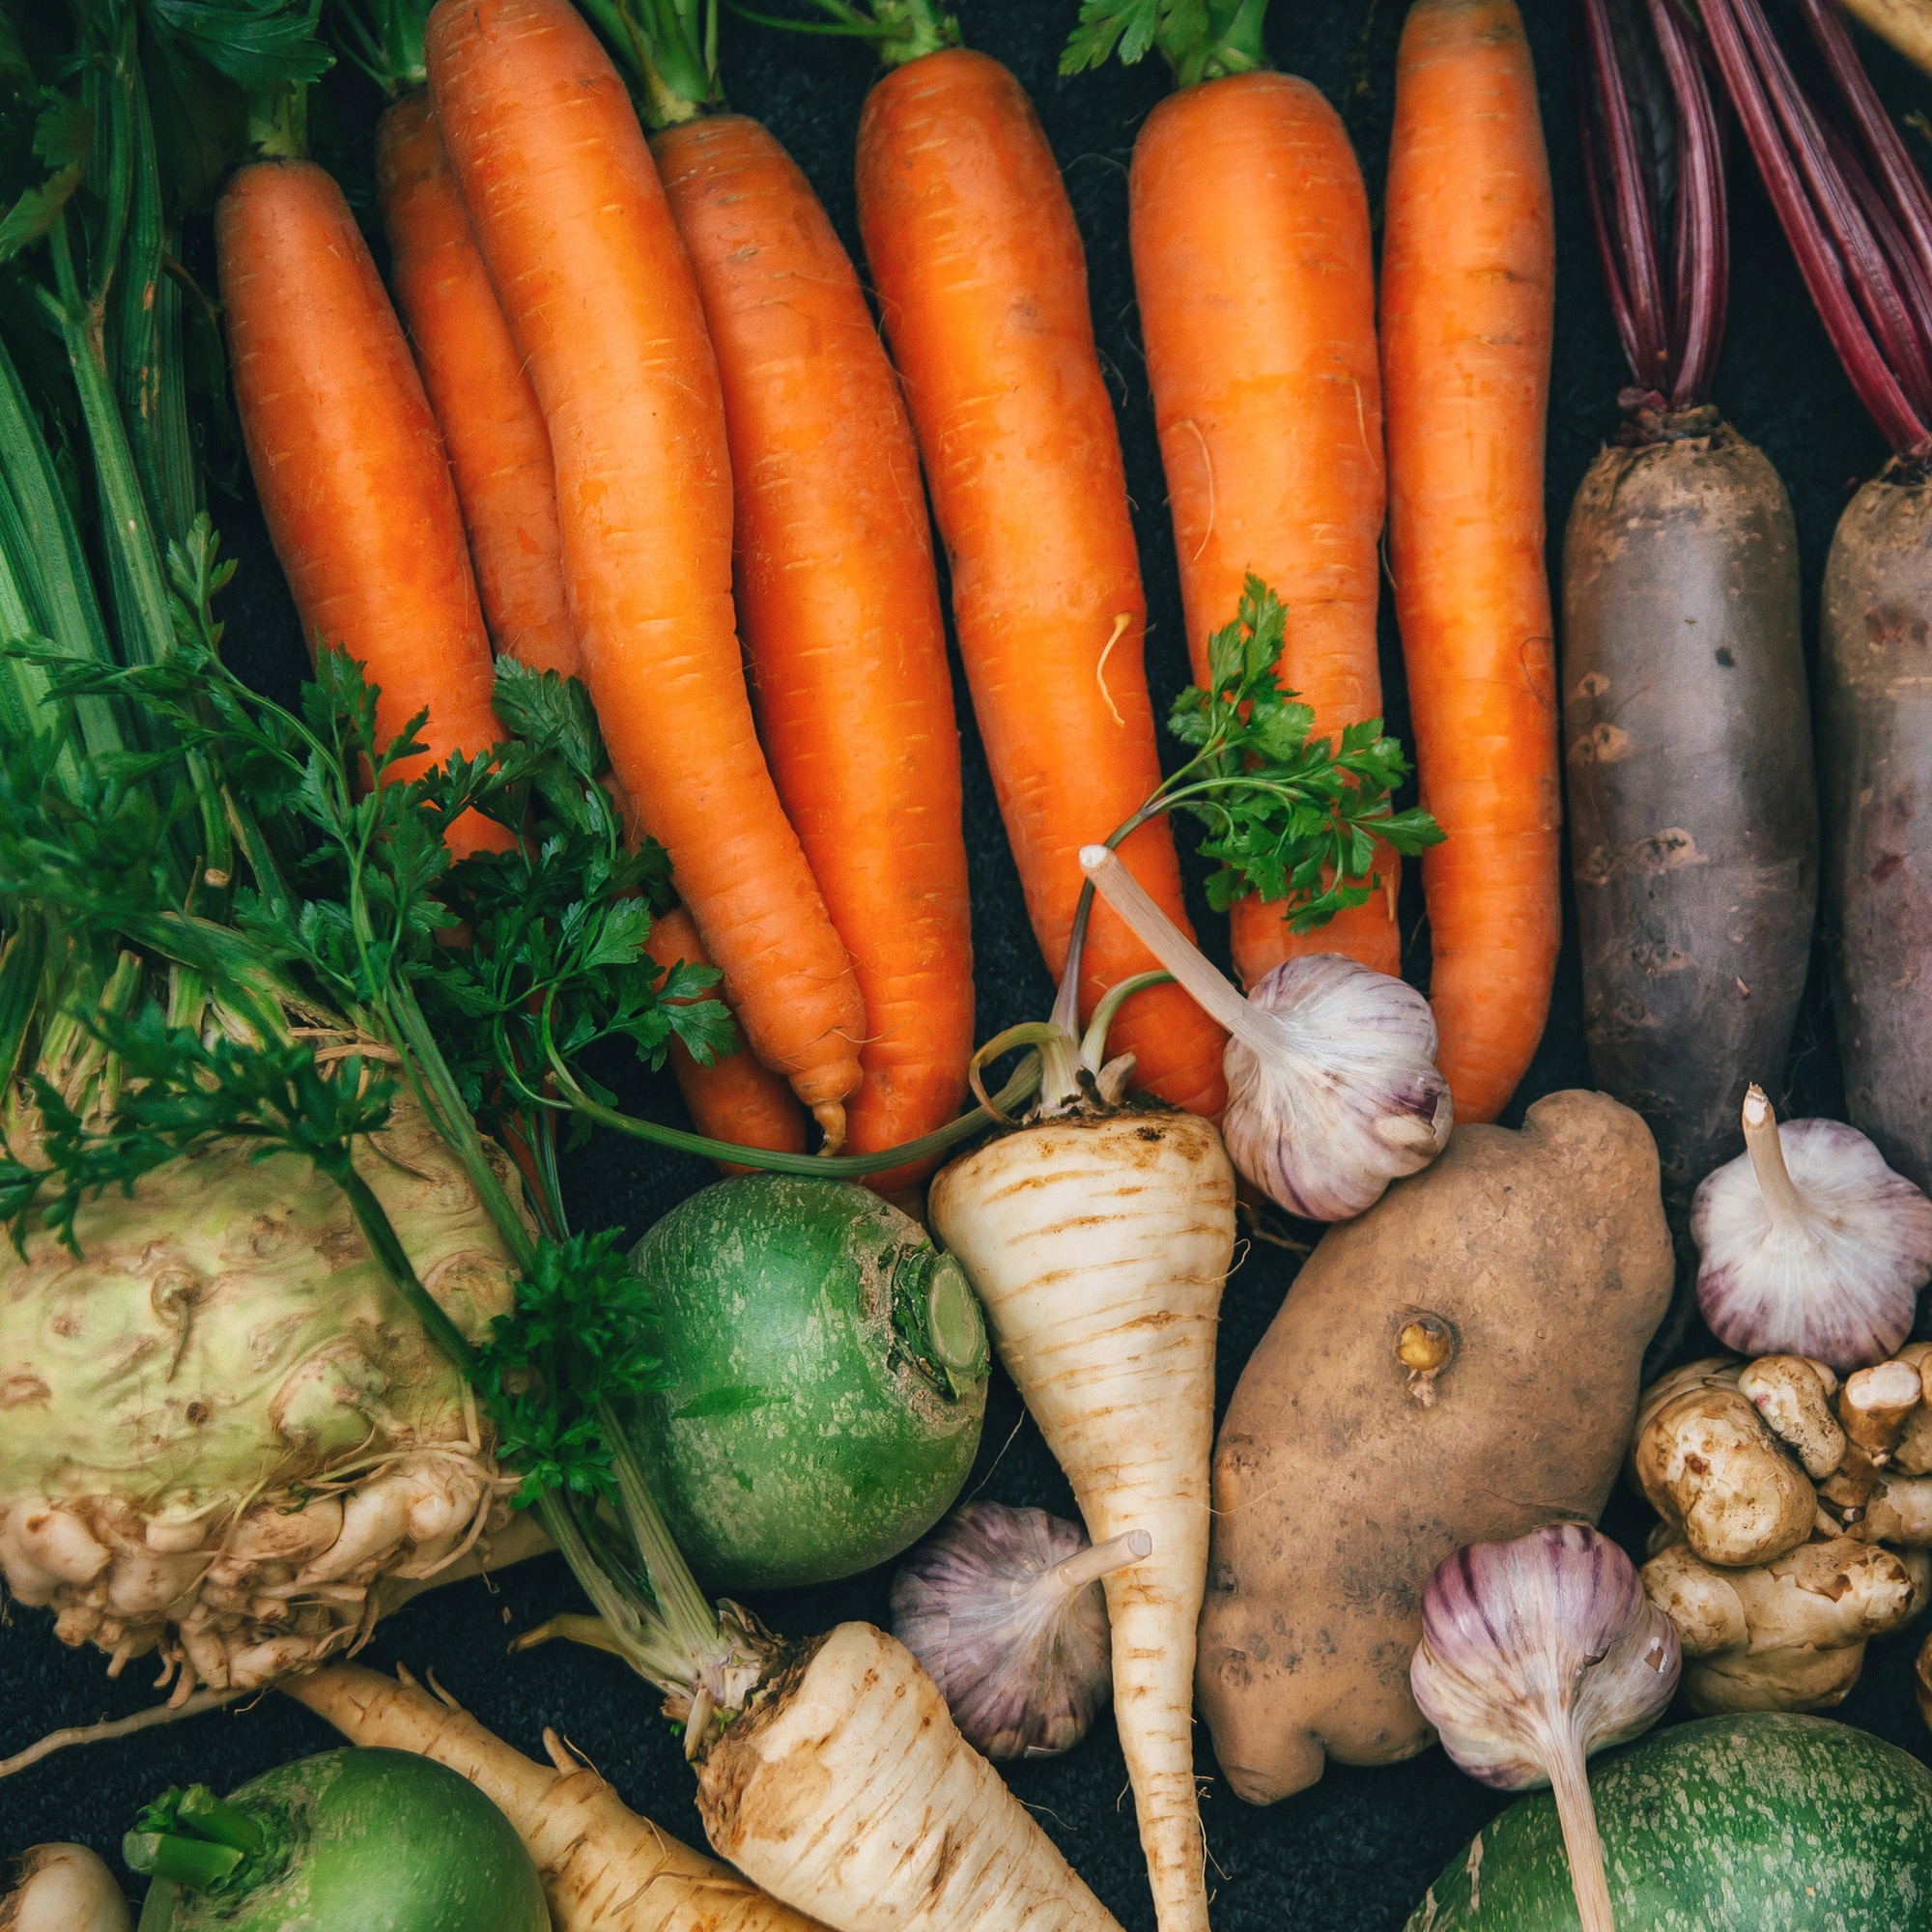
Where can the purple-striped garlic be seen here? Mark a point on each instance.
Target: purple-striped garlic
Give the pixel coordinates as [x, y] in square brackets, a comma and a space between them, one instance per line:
[1809, 1244]
[1004, 1608]
[1534, 1654]
[1333, 1090]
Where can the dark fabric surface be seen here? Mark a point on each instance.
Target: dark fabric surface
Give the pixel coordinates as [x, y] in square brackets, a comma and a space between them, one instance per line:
[1354, 1854]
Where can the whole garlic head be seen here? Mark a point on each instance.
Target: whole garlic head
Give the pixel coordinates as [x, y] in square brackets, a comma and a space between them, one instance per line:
[1333, 1086]
[1004, 1608]
[1534, 1654]
[1809, 1244]
[1333, 1090]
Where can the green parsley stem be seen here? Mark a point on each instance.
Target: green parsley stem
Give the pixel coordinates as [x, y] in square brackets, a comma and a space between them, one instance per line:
[824, 1167]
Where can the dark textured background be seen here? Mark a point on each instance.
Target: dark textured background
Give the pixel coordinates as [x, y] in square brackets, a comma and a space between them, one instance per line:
[1354, 1854]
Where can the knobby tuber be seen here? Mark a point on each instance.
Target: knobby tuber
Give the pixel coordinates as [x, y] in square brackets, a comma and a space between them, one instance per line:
[1796, 1521]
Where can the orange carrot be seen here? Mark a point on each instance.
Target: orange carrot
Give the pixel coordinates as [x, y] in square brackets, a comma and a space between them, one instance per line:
[841, 610]
[983, 285]
[737, 1098]
[1468, 269]
[1252, 262]
[348, 462]
[573, 223]
[498, 448]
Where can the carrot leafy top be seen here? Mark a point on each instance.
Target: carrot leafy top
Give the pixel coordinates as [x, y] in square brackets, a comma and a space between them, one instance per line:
[1199, 39]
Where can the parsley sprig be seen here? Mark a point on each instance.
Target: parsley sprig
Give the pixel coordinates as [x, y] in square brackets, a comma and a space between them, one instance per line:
[1289, 816]
[1200, 39]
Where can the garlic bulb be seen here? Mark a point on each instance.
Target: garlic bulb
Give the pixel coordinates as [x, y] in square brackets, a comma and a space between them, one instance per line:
[1534, 1654]
[1004, 1608]
[1809, 1244]
[1333, 1086]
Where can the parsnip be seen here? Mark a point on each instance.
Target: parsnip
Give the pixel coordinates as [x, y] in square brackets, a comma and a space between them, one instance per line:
[64, 1889]
[1099, 1244]
[851, 1790]
[603, 1868]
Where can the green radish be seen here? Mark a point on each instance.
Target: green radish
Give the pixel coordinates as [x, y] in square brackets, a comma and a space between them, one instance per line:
[1760, 1823]
[349, 1841]
[826, 1385]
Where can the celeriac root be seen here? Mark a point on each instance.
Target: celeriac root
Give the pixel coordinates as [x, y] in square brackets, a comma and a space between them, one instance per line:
[602, 1866]
[1098, 1250]
[224, 1433]
[850, 1792]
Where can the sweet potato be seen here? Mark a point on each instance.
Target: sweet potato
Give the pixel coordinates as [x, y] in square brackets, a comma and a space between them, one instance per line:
[1458, 1365]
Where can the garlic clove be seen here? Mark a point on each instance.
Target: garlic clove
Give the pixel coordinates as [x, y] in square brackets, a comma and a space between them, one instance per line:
[1333, 1090]
[1004, 1608]
[1809, 1244]
[1534, 1654]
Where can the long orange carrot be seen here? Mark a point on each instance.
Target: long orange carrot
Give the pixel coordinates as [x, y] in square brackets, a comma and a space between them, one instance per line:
[737, 1098]
[839, 609]
[498, 448]
[347, 462]
[573, 223]
[1468, 271]
[983, 285]
[1256, 279]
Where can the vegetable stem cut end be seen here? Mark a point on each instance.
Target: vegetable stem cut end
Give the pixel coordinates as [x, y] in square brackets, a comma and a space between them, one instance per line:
[1103, 1559]
[1782, 1201]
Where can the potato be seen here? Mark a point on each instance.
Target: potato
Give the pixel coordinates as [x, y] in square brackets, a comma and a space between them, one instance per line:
[1532, 1268]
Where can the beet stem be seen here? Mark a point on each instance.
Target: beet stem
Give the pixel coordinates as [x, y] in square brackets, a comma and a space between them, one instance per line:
[1672, 327]
[1624, 231]
[1703, 264]
[1821, 256]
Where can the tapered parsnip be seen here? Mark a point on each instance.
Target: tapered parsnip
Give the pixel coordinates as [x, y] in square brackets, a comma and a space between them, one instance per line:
[850, 1792]
[1098, 1247]
[603, 1868]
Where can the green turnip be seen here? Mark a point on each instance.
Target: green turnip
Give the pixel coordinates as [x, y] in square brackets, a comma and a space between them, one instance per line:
[352, 1840]
[825, 1379]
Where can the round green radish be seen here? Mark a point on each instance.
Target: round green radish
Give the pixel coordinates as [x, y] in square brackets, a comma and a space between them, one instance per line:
[1758, 1823]
[349, 1841]
[826, 1381]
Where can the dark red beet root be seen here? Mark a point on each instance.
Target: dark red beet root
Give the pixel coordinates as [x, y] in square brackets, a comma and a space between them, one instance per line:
[1692, 815]
[1876, 689]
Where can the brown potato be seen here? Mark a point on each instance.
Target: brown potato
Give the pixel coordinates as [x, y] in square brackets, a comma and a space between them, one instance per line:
[1344, 1474]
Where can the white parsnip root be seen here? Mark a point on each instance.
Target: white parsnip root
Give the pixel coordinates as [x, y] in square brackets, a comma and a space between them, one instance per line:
[849, 1791]
[64, 1889]
[603, 1868]
[1098, 1247]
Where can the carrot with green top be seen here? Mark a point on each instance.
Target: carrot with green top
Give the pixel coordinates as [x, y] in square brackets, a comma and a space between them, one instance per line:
[982, 287]
[573, 222]
[838, 599]
[1255, 277]
[1467, 317]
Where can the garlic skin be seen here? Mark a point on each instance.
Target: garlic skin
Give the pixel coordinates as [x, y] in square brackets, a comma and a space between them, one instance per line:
[1333, 1090]
[1004, 1608]
[1809, 1244]
[1534, 1654]
[1333, 1086]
